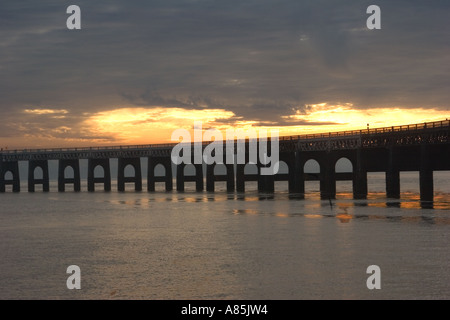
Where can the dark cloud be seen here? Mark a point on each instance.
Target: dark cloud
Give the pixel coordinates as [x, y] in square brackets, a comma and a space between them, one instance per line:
[261, 59]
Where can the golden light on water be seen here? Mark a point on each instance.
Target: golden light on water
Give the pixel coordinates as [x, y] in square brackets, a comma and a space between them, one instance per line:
[313, 216]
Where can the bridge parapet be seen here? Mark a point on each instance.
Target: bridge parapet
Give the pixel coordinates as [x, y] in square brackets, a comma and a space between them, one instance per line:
[86, 153]
[428, 133]
[436, 135]
[329, 143]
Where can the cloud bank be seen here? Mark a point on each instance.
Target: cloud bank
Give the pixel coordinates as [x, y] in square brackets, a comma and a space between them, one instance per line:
[263, 61]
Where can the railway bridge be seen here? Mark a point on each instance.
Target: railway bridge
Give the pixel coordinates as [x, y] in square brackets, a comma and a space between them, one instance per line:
[423, 147]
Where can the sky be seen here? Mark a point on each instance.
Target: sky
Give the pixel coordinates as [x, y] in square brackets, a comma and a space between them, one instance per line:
[138, 70]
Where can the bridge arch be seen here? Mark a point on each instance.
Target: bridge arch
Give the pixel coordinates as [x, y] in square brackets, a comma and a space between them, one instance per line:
[311, 166]
[159, 170]
[8, 175]
[219, 172]
[189, 170]
[244, 173]
[312, 170]
[250, 168]
[282, 178]
[38, 173]
[343, 164]
[129, 170]
[99, 171]
[220, 169]
[344, 182]
[189, 173]
[69, 172]
[283, 167]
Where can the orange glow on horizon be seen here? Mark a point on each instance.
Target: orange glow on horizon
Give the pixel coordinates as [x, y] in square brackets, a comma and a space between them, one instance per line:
[152, 125]
[155, 125]
[346, 118]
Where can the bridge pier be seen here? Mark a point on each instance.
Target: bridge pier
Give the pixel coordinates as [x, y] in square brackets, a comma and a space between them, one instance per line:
[13, 167]
[137, 179]
[359, 177]
[106, 179]
[266, 183]
[197, 178]
[393, 184]
[32, 182]
[290, 159]
[426, 175]
[328, 180]
[392, 176]
[62, 180]
[167, 178]
[360, 185]
[211, 178]
[241, 177]
[299, 175]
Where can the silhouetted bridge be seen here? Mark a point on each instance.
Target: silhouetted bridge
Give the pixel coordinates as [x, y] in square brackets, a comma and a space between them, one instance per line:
[421, 147]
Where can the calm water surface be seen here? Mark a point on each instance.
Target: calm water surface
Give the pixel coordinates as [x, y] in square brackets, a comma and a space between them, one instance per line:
[225, 246]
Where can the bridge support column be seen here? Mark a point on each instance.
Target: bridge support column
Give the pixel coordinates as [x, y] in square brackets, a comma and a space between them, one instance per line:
[393, 184]
[291, 179]
[32, 182]
[359, 177]
[106, 179]
[266, 183]
[211, 178]
[241, 177]
[299, 175]
[13, 167]
[328, 181]
[289, 159]
[360, 185]
[392, 177]
[198, 178]
[62, 180]
[137, 179]
[167, 178]
[426, 175]
[180, 177]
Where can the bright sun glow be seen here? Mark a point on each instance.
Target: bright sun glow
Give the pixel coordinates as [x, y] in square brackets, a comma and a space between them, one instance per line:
[149, 125]
[155, 125]
[152, 125]
[327, 118]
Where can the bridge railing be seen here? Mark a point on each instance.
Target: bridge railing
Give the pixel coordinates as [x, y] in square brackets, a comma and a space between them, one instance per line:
[404, 128]
[88, 149]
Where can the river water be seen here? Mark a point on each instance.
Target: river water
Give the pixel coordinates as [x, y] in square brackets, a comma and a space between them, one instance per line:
[200, 245]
